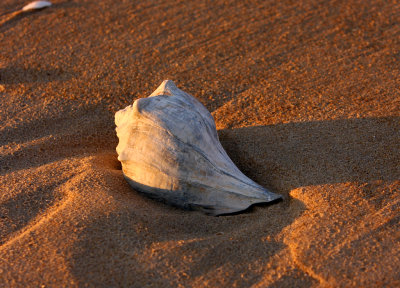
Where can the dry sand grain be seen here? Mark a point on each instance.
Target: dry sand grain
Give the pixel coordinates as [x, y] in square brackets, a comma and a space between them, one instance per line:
[306, 97]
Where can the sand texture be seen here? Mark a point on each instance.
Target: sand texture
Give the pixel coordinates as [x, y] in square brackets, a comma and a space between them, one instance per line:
[306, 99]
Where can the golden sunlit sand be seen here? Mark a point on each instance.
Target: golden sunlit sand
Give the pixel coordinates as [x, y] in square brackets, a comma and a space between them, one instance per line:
[306, 99]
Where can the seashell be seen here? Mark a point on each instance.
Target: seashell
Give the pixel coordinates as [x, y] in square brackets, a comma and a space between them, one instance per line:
[169, 150]
[35, 5]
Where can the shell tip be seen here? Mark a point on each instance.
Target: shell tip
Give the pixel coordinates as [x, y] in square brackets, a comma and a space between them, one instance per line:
[166, 88]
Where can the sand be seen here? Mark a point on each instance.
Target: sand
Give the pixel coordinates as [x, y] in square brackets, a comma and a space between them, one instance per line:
[306, 98]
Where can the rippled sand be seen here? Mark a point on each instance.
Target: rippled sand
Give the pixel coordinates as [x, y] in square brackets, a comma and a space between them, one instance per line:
[306, 98]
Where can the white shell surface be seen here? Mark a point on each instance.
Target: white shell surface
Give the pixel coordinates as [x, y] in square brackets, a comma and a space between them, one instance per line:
[36, 5]
[169, 150]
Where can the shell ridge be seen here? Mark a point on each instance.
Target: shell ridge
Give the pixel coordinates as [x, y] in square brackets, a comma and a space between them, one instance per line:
[177, 101]
[203, 154]
[219, 170]
[215, 168]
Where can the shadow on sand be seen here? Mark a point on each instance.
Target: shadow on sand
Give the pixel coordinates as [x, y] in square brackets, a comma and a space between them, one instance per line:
[287, 156]
[145, 236]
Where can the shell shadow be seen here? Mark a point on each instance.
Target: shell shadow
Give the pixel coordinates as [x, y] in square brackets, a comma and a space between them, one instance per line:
[287, 156]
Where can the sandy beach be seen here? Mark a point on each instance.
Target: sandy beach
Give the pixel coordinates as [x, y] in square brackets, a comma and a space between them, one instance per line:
[306, 100]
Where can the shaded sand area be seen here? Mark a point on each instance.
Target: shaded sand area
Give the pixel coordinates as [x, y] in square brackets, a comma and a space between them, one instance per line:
[306, 97]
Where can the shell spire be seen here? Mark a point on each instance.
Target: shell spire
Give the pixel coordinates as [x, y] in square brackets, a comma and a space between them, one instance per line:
[170, 151]
[166, 88]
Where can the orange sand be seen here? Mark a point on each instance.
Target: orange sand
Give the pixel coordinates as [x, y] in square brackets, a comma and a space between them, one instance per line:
[306, 98]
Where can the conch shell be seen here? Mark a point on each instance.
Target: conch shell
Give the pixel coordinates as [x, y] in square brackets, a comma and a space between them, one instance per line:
[169, 150]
